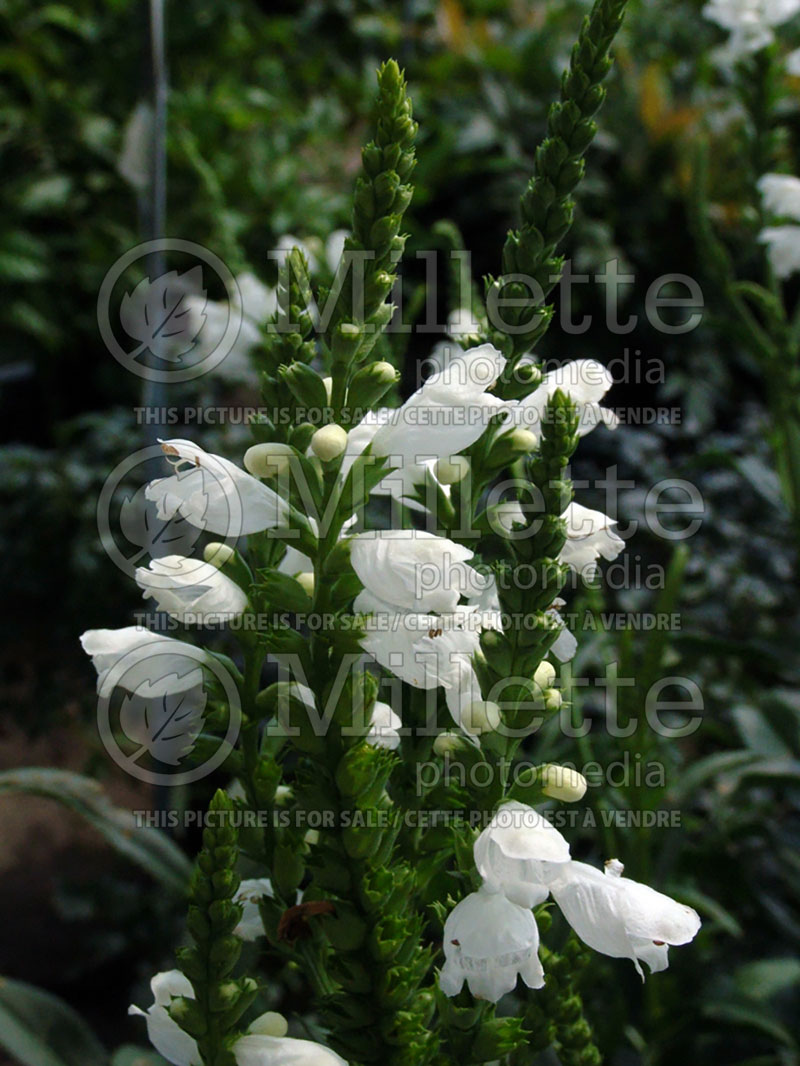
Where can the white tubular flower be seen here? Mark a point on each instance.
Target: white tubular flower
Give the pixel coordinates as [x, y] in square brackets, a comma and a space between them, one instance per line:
[620, 917]
[255, 302]
[253, 1049]
[257, 1050]
[383, 730]
[519, 853]
[488, 942]
[191, 591]
[136, 659]
[590, 536]
[214, 494]
[565, 645]
[448, 413]
[165, 1035]
[249, 892]
[780, 194]
[783, 248]
[586, 381]
[750, 22]
[334, 247]
[415, 570]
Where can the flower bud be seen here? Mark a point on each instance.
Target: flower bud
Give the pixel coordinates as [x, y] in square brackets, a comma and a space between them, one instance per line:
[449, 471]
[268, 460]
[522, 440]
[552, 699]
[481, 716]
[311, 838]
[562, 783]
[447, 744]
[218, 554]
[306, 582]
[370, 384]
[512, 446]
[328, 383]
[545, 674]
[269, 1024]
[329, 442]
[283, 795]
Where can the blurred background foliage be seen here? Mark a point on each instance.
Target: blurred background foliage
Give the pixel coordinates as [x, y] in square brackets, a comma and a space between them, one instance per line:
[269, 105]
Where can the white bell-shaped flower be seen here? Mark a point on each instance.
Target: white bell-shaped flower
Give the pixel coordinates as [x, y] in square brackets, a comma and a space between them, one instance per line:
[783, 248]
[137, 660]
[620, 917]
[488, 942]
[166, 1035]
[590, 536]
[214, 494]
[519, 853]
[249, 892]
[750, 23]
[192, 591]
[780, 194]
[253, 1049]
[585, 380]
[415, 570]
[383, 730]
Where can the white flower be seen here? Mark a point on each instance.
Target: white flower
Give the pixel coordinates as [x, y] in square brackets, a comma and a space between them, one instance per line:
[136, 659]
[488, 942]
[334, 247]
[165, 1035]
[781, 195]
[793, 63]
[383, 730]
[415, 570]
[249, 892]
[214, 494]
[191, 591]
[254, 1049]
[519, 853]
[783, 248]
[590, 536]
[750, 22]
[620, 917]
[585, 380]
[462, 323]
[257, 1050]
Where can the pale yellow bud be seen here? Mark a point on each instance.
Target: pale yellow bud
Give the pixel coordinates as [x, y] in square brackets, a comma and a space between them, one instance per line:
[562, 783]
[312, 837]
[449, 471]
[481, 716]
[522, 440]
[218, 554]
[306, 579]
[545, 674]
[269, 1024]
[329, 442]
[447, 744]
[268, 460]
[552, 699]
[328, 383]
[283, 794]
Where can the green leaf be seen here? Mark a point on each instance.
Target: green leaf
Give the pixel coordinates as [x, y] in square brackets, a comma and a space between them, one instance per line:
[39, 1029]
[144, 845]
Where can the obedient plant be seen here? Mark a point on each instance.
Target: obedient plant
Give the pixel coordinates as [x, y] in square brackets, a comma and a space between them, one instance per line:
[421, 551]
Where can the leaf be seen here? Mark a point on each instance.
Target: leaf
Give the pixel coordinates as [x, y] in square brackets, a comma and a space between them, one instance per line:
[146, 846]
[158, 314]
[39, 1029]
[765, 978]
[167, 726]
[139, 525]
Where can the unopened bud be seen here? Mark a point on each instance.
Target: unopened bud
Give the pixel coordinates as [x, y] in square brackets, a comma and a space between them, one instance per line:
[562, 783]
[481, 716]
[523, 441]
[283, 795]
[268, 460]
[545, 674]
[329, 442]
[269, 1024]
[552, 699]
[447, 744]
[449, 471]
[370, 384]
[306, 581]
[311, 838]
[218, 554]
[328, 383]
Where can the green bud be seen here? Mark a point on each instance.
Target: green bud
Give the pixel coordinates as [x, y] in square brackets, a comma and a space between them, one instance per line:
[306, 385]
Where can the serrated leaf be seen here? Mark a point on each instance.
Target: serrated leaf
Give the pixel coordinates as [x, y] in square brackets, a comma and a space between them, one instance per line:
[166, 727]
[158, 314]
[39, 1029]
